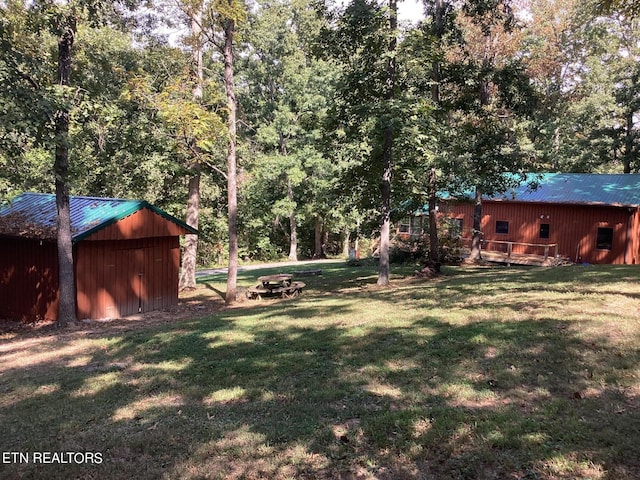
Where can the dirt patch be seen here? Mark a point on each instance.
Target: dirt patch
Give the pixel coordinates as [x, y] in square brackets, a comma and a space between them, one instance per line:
[197, 303]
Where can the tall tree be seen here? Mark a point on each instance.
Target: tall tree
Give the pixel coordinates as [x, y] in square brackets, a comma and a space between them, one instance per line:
[284, 99]
[216, 22]
[492, 94]
[67, 29]
[364, 39]
[230, 17]
[190, 250]
[387, 148]
[52, 111]
[586, 67]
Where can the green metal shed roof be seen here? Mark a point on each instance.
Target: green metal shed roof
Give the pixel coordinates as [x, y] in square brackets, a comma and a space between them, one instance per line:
[620, 190]
[34, 215]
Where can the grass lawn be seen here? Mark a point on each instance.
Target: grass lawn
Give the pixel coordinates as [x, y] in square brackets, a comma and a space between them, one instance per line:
[483, 373]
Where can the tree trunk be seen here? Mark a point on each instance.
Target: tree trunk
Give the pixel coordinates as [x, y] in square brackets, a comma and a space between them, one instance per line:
[434, 254]
[356, 243]
[293, 239]
[485, 99]
[628, 154]
[476, 239]
[67, 299]
[190, 252]
[232, 185]
[346, 233]
[438, 31]
[318, 238]
[293, 225]
[387, 151]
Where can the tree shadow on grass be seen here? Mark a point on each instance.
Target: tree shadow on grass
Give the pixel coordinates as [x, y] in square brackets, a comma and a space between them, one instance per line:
[225, 397]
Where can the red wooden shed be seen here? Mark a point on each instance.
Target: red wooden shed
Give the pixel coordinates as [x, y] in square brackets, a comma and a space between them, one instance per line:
[592, 218]
[126, 257]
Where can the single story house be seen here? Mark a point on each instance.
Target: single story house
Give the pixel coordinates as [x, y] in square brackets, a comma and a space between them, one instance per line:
[587, 218]
[126, 257]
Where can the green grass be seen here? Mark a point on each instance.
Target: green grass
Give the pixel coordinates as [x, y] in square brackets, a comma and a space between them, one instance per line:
[479, 374]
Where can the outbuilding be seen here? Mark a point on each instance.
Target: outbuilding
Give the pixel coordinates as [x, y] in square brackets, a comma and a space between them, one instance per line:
[126, 257]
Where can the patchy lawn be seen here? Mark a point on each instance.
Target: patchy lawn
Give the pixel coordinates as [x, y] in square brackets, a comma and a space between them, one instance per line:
[482, 373]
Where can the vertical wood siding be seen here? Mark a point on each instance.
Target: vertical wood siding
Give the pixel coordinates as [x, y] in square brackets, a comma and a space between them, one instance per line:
[144, 223]
[574, 228]
[126, 277]
[28, 280]
[128, 267]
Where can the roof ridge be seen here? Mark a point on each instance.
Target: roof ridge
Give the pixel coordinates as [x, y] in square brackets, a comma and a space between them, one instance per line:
[86, 197]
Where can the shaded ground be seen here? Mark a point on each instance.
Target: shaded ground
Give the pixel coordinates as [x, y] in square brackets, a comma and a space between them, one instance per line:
[201, 302]
[489, 373]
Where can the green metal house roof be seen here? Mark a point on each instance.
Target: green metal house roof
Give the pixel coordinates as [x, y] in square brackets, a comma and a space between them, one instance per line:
[618, 190]
[34, 215]
[622, 190]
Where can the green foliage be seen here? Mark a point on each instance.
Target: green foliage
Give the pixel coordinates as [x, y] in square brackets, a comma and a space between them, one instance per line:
[562, 89]
[285, 93]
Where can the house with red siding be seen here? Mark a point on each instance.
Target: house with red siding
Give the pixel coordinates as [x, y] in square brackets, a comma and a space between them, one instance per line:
[587, 218]
[126, 257]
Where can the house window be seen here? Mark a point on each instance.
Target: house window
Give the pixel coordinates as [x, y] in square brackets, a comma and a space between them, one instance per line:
[604, 240]
[404, 226]
[544, 230]
[502, 227]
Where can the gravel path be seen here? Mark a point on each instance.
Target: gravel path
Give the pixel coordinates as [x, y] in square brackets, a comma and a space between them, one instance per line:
[302, 263]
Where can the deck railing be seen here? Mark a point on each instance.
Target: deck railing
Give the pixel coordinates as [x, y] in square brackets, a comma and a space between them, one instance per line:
[547, 248]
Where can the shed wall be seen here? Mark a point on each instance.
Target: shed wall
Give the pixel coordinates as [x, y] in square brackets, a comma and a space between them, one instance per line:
[28, 280]
[121, 278]
[144, 223]
[573, 227]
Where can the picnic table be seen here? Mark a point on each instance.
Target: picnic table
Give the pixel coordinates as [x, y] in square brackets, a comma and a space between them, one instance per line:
[281, 284]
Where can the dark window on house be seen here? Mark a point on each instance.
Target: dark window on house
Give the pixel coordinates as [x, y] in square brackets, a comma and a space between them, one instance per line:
[404, 226]
[502, 227]
[604, 241]
[544, 230]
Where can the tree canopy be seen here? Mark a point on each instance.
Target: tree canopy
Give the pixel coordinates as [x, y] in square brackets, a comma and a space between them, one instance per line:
[343, 114]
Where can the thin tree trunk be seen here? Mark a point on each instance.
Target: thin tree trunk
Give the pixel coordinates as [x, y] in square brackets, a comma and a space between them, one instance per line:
[438, 30]
[356, 243]
[67, 299]
[293, 225]
[629, 154]
[485, 99]
[232, 185]
[293, 239]
[434, 254]
[190, 251]
[476, 239]
[387, 152]
[318, 238]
